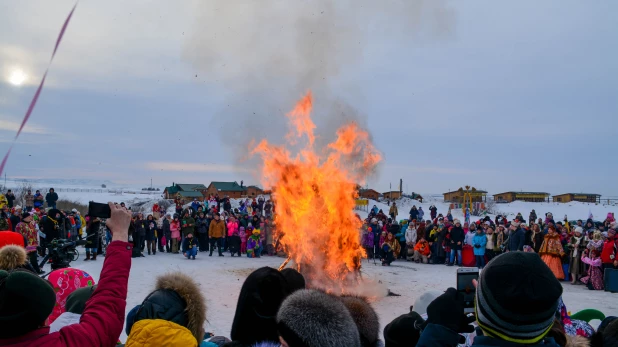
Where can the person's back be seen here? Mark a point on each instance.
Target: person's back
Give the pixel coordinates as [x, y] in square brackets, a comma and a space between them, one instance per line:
[516, 240]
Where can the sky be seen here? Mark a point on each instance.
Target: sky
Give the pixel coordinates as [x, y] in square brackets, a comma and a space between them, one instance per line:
[502, 96]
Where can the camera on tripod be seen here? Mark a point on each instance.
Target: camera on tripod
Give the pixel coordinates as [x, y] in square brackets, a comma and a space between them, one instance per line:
[61, 252]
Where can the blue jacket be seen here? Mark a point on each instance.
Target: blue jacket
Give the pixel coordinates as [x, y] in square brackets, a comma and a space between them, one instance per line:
[375, 210]
[439, 336]
[401, 235]
[517, 240]
[421, 213]
[480, 240]
[195, 205]
[189, 243]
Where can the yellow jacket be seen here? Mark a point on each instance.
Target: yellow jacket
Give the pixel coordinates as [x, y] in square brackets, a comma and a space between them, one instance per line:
[158, 332]
[83, 228]
[3, 201]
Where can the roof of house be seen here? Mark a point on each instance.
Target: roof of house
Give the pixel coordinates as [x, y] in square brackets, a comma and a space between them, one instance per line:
[471, 192]
[256, 187]
[228, 186]
[190, 194]
[360, 191]
[172, 189]
[578, 194]
[186, 187]
[525, 193]
[392, 191]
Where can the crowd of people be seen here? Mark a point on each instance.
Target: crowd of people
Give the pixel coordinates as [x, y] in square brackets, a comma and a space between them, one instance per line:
[580, 249]
[275, 308]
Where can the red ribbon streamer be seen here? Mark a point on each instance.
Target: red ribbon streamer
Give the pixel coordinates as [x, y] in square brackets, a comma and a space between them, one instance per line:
[35, 98]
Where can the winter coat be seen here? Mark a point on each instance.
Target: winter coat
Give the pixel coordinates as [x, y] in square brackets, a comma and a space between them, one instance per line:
[3, 201]
[51, 226]
[468, 240]
[253, 243]
[152, 230]
[393, 211]
[258, 302]
[175, 229]
[423, 248]
[167, 232]
[367, 239]
[457, 235]
[92, 238]
[532, 216]
[29, 200]
[140, 227]
[610, 247]
[51, 198]
[435, 335]
[187, 226]
[195, 205]
[38, 200]
[411, 235]
[216, 229]
[202, 225]
[478, 242]
[65, 319]
[176, 300]
[517, 240]
[103, 317]
[14, 221]
[189, 243]
[232, 227]
[552, 245]
[401, 235]
[421, 213]
[28, 231]
[413, 214]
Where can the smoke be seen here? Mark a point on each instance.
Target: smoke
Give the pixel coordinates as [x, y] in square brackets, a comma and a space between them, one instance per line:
[266, 54]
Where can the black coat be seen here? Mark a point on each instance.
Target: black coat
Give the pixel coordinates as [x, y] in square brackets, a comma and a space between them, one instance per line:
[189, 243]
[14, 221]
[166, 229]
[50, 229]
[51, 198]
[457, 235]
[260, 298]
[92, 235]
[517, 240]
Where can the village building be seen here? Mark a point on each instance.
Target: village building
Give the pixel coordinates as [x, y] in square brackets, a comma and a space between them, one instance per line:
[368, 194]
[581, 197]
[521, 196]
[392, 195]
[457, 196]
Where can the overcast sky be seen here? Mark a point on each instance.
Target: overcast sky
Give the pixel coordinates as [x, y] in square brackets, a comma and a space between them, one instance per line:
[501, 96]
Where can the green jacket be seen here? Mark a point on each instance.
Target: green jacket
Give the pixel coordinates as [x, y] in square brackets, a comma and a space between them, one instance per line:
[187, 225]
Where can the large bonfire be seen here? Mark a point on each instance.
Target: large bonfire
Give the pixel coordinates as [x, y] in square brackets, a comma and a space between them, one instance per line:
[314, 192]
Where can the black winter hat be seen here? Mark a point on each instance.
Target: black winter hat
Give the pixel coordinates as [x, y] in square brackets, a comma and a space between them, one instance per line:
[294, 278]
[404, 331]
[260, 298]
[517, 297]
[365, 318]
[311, 318]
[26, 300]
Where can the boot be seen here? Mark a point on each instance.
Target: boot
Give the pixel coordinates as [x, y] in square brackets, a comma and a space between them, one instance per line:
[87, 256]
[94, 256]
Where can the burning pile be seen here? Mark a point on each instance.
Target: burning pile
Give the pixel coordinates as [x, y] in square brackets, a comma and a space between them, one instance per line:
[315, 196]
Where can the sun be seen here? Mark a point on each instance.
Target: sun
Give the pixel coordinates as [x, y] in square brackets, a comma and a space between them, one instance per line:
[17, 77]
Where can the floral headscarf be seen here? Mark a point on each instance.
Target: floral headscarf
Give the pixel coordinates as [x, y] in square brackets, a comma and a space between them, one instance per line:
[573, 327]
[66, 281]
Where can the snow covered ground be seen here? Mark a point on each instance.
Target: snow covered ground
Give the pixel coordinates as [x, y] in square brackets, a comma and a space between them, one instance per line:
[221, 278]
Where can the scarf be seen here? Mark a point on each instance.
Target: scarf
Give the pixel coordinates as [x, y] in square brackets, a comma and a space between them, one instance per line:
[576, 245]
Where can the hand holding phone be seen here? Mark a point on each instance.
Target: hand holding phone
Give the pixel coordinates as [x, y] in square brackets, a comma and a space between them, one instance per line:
[465, 286]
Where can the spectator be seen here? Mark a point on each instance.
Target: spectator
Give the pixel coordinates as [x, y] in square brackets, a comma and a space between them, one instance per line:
[365, 318]
[295, 279]
[479, 241]
[27, 300]
[413, 213]
[258, 303]
[520, 314]
[151, 234]
[187, 224]
[175, 233]
[38, 199]
[15, 217]
[3, 201]
[172, 315]
[27, 228]
[610, 250]
[10, 198]
[167, 233]
[51, 198]
[456, 243]
[393, 212]
[216, 231]
[75, 304]
[325, 321]
[551, 252]
[404, 330]
[594, 279]
[421, 251]
[29, 201]
[65, 281]
[516, 237]
[189, 246]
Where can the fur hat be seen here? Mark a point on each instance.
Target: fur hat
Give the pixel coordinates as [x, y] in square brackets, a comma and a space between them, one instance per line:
[295, 279]
[456, 221]
[404, 330]
[312, 318]
[365, 317]
[12, 257]
[178, 299]
[579, 230]
[26, 300]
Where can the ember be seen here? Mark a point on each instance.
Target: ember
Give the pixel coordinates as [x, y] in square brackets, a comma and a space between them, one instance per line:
[315, 196]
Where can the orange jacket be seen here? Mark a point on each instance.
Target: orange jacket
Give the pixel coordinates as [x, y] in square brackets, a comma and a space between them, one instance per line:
[422, 247]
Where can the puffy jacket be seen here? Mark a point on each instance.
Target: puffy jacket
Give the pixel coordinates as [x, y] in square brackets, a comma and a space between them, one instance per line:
[189, 243]
[457, 235]
[439, 336]
[159, 332]
[411, 235]
[517, 240]
[175, 229]
[413, 214]
[38, 200]
[423, 248]
[608, 254]
[51, 198]
[232, 227]
[401, 235]
[216, 229]
[480, 240]
[103, 318]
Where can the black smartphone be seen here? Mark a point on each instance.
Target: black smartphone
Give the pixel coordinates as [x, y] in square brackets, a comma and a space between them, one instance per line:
[98, 210]
[465, 275]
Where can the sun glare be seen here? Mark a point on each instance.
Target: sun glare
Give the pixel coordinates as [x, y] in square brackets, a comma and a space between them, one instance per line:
[17, 77]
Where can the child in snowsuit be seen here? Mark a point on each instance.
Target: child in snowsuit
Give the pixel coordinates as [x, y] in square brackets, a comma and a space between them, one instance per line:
[243, 239]
[189, 246]
[367, 240]
[254, 245]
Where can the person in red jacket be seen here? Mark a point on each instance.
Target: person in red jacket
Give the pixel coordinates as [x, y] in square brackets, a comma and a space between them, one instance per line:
[26, 300]
[610, 251]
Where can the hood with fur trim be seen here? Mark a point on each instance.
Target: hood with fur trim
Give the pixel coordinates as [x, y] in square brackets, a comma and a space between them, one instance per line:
[365, 317]
[195, 302]
[12, 257]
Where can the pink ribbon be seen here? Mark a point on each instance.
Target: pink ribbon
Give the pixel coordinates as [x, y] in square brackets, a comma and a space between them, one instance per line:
[38, 91]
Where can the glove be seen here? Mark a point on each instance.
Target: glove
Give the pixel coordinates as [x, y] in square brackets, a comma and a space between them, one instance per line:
[448, 310]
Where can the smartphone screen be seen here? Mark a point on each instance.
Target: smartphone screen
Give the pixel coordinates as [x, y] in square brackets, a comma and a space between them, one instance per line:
[465, 286]
[98, 210]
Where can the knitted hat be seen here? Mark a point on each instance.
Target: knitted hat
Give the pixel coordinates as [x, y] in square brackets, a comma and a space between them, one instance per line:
[579, 230]
[76, 301]
[26, 300]
[404, 330]
[313, 318]
[517, 297]
[456, 221]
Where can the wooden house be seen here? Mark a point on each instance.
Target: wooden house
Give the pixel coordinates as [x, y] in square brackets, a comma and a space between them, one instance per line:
[457, 196]
[392, 195]
[253, 191]
[521, 196]
[368, 194]
[581, 197]
[231, 189]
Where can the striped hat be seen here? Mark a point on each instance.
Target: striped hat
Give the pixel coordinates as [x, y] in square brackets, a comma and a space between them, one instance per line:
[516, 298]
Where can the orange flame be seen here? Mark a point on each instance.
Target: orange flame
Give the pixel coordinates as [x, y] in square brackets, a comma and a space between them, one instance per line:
[315, 195]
